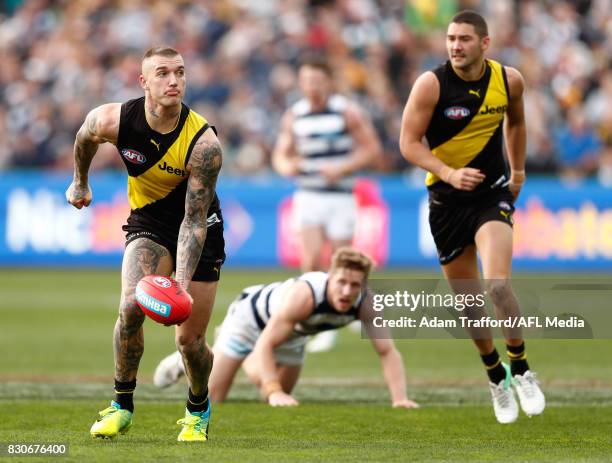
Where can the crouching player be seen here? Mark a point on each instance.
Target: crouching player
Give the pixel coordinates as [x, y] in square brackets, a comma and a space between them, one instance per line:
[267, 327]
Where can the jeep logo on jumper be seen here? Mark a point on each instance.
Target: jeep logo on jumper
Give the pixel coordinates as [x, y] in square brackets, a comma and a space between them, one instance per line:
[133, 156]
[493, 109]
[456, 112]
[171, 170]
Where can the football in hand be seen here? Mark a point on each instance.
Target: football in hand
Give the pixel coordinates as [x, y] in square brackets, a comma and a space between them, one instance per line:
[162, 299]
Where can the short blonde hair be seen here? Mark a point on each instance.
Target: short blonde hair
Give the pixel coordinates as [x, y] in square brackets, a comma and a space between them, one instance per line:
[163, 50]
[347, 257]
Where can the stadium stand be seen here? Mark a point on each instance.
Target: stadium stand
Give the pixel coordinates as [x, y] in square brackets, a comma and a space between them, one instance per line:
[60, 58]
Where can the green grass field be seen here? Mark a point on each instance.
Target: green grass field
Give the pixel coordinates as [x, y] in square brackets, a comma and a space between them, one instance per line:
[56, 372]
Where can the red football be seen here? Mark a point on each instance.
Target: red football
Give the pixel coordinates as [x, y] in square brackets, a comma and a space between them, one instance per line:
[162, 299]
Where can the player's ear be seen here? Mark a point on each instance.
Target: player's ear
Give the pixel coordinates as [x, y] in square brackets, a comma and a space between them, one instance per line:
[143, 82]
[484, 43]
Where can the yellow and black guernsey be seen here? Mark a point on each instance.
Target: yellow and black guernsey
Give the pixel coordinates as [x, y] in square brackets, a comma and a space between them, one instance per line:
[466, 128]
[157, 169]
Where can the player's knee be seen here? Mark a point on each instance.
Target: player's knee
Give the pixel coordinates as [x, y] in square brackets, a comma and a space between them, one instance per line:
[130, 315]
[498, 290]
[188, 342]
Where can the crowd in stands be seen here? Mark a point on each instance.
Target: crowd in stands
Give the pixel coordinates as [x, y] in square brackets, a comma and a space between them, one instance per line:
[61, 58]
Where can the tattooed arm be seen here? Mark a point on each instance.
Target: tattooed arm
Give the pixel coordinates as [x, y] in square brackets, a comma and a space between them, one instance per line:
[204, 166]
[101, 125]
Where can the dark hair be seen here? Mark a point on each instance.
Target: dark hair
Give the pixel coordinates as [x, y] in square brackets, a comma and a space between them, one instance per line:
[317, 62]
[473, 18]
[160, 51]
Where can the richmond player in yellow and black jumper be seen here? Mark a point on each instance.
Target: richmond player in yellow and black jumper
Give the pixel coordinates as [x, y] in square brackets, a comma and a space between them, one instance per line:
[173, 158]
[466, 109]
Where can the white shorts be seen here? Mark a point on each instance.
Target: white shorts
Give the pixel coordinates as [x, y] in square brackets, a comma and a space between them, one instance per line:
[239, 333]
[335, 212]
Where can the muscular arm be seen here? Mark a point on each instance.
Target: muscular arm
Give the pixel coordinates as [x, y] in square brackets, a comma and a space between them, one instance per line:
[285, 159]
[415, 120]
[101, 125]
[367, 147]
[204, 166]
[297, 305]
[515, 132]
[390, 358]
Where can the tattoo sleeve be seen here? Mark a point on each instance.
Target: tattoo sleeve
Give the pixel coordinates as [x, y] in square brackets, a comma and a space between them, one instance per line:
[85, 147]
[206, 160]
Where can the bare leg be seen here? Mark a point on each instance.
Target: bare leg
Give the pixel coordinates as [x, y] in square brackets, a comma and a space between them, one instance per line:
[222, 376]
[190, 336]
[142, 257]
[287, 374]
[462, 274]
[311, 241]
[494, 242]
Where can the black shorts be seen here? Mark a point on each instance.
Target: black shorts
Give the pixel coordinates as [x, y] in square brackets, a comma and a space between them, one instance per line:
[454, 223]
[213, 254]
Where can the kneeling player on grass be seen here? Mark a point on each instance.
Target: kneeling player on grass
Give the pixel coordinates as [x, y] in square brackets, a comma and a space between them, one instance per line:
[269, 325]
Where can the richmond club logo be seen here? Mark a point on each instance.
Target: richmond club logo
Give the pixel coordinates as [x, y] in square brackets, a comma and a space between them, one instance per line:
[456, 112]
[133, 156]
[163, 282]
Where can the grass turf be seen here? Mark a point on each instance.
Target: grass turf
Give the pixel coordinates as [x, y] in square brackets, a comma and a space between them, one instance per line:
[56, 371]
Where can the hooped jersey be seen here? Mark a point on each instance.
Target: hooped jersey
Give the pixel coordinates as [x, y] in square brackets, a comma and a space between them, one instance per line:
[267, 299]
[322, 138]
[157, 165]
[466, 128]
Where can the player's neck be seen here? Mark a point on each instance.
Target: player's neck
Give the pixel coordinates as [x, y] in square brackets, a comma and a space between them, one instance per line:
[318, 105]
[162, 119]
[471, 73]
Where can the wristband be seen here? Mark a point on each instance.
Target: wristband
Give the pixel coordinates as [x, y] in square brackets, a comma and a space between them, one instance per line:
[271, 387]
[517, 173]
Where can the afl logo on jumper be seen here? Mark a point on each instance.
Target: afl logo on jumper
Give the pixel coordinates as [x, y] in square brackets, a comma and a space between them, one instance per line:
[133, 156]
[456, 112]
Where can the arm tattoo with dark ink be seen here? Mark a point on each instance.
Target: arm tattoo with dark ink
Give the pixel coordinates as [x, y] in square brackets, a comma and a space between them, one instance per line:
[85, 147]
[206, 160]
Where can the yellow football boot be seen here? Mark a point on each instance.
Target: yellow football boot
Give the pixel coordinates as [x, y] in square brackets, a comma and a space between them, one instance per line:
[113, 420]
[195, 426]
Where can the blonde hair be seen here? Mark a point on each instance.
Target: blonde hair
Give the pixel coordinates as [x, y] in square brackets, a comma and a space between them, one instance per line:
[352, 259]
[160, 51]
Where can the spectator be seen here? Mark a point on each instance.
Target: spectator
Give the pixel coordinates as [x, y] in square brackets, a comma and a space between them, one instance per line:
[60, 58]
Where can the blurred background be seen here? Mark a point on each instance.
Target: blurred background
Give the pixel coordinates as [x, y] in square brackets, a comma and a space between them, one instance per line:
[62, 58]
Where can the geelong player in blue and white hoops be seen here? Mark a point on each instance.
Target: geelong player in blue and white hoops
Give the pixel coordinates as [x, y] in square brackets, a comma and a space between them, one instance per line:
[267, 326]
[324, 139]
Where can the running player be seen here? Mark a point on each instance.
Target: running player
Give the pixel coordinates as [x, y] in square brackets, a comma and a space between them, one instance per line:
[173, 158]
[465, 108]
